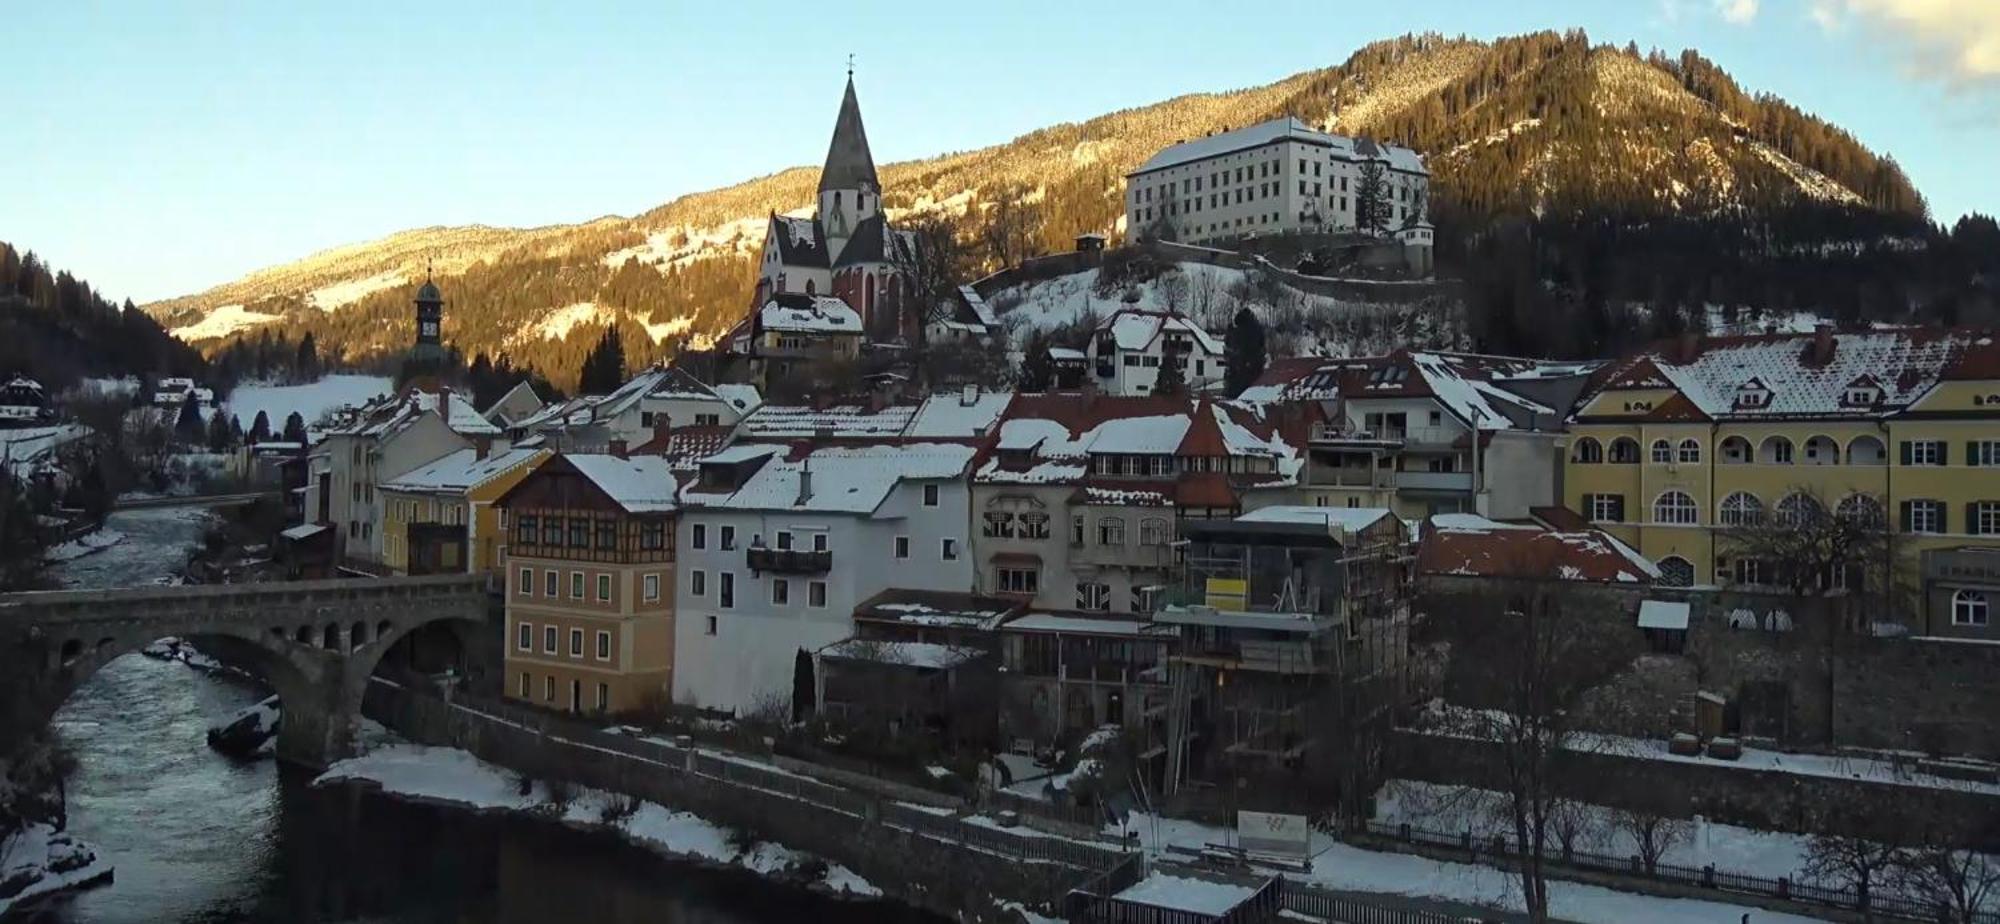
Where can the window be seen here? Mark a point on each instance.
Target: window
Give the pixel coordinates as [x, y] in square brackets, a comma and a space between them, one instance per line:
[1923, 516]
[1741, 509]
[1776, 451]
[1923, 452]
[999, 525]
[527, 582]
[549, 687]
[524, 530]
[725, 595]
[603, 697]
[1690, 451]
[1860, 509]
[1983, 518]
[1090, 596]
[699, 535]
[1034, 526]
[784, 540]
[816, 594]
[603, 645]
[698, 583]
[549, 636]
[579, 533]
[527, 685]
[1676, 571]
[1111, 531]
[1606, 508]
[549, 583]
[652, 587]
[948, 550]
[1749, 571]
[1797, 510]
[819, 542]
[576, 585]
[1663, 452]
[710, 627]
[1983, 453]
[1625, 451]
[728, 538]
[604, 588]
[552, 531]
[1735, 450]
[1020, 581]
[1588, 451]
[652, 535]
[1153, 531]
[576, 643]
[902, 546]
[781, 592]
[714, 420]
[930, 495]
[1677, 508]
[1968, 608]
[607, 534]
[524, 636]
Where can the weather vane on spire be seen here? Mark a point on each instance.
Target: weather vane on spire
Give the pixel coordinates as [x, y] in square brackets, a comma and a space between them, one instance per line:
[850, 65]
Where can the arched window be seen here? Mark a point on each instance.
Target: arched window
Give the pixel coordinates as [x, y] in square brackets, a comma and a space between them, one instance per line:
[1775, 450]
[1798, 510]
[1676, 571]
[1867, 450]
[809, 288]
[1968, 608]
[1690, 451]
[1625, 451]
[1742, 509]
[1735, 450]
[1587, 450]
[1676, 507]
[1663, 452]
[1821, 450]
[1860, 509]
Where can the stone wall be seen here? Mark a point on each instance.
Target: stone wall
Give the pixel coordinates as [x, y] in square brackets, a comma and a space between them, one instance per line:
[870, 837]
[1719, 790]
[1934, 696]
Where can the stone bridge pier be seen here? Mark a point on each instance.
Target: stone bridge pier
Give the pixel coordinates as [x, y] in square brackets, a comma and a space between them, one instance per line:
[315, 642]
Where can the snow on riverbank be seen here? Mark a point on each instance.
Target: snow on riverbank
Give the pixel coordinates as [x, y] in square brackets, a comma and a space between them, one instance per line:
[96, 540]
[1341, 866]
[39, 860]
[453, 777]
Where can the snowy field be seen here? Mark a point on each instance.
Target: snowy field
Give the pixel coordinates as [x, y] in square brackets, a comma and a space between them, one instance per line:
[454, 777]
[310, 400]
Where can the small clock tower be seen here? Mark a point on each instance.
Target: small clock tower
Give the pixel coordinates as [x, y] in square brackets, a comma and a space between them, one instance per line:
[430, 315]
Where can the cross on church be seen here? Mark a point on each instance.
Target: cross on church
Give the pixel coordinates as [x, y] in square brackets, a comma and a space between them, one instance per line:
[850, 65]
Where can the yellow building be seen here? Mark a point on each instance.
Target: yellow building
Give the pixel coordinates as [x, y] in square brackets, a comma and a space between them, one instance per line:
[1679, 443]
[590, 583]
[440, 518]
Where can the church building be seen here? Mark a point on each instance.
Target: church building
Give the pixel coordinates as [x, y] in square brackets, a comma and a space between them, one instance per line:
[847, 249]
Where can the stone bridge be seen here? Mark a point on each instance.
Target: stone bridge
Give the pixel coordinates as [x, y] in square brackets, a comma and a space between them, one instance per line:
[314, 642]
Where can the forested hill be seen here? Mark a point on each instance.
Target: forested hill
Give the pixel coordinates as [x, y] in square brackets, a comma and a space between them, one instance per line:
[56, 329]
[1535, 125]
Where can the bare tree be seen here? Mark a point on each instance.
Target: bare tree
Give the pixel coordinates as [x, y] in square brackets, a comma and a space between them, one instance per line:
[1957, 881]
[1809, 548]
[1850, 862]
[1652, 833]
[1013, 228]
[932, 264]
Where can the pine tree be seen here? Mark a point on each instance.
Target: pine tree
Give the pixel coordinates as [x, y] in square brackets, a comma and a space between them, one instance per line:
[604, 368]
[1037, 372]
[218, 432]
[1173, 375]
[21, 539]
[295, 429]
[1371, 199]
[260, 428]
[1243, 352]
[307, 363]
[188, 425]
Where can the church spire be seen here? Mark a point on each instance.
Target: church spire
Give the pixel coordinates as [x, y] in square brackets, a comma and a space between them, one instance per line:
[849, 166]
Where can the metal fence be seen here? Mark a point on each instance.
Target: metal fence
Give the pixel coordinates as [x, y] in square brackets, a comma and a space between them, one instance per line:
[1702, 877]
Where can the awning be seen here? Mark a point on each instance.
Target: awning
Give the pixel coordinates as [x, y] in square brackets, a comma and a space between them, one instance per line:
[1659, 614]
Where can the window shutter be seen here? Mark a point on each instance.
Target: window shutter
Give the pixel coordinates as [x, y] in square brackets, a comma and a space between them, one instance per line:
[1944, 452]
[1972, 452]
[1972, 518]
[1906, 505]
[1904, 449]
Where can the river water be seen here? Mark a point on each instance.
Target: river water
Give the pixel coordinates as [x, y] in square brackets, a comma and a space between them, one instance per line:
[198, 838]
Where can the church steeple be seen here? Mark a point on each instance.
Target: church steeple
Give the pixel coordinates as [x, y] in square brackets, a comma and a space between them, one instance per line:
[849, 193]
[430, 317]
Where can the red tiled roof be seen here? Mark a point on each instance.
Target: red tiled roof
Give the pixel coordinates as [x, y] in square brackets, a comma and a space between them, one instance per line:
[1205, 489]
[1533, 554]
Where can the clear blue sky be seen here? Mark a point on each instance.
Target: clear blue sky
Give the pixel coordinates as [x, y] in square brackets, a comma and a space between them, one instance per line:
[158, 148]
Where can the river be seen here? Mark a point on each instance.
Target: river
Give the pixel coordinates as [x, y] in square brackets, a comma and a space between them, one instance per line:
[199, 838]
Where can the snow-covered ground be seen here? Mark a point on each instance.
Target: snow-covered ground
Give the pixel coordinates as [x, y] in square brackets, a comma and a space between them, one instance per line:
[39, 859]
[1344, 867]
[310, 400]
[1187, 893]
[222, 322]
[96, 540]
[454, 777]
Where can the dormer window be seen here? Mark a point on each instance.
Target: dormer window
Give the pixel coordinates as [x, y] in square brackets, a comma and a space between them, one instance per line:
[1753, 394]
[1862, 392]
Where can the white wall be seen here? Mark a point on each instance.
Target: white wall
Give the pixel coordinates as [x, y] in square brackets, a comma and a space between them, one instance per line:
[1331, 182]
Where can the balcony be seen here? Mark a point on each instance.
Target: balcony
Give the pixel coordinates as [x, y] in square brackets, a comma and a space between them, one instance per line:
[1262, 656]
[1341, 434]
[1327, 476]
[788, 561]
[1434, 481]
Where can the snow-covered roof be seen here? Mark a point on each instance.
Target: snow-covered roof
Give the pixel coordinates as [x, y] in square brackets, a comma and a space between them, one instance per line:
[928, 655]
[1351, 519]
[303, 531]
[640, 484]
[958, 415]
[844, 479]
[937, 609]
[393, 414]
[744, 398]
[1135, 329]
[1079, 625]
[810, 314]
[1068, 354]
[1663, 614]
[1807, 376]
[1472, 546]
[460, 471]
[849, 421]
[1280, 129]
[1473, 387]
[575, 412]
[1060, 433]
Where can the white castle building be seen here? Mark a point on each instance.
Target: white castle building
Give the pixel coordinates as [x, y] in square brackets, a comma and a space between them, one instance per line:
[1269, 178]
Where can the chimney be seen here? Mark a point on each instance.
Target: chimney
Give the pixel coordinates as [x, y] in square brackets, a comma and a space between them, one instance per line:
[663, 424]
[1822, 344]
[1687, 346]
[618, 449]
[969, 396]
[805, 482]
[444, 403]
[482, 447]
